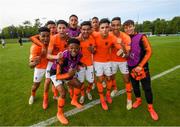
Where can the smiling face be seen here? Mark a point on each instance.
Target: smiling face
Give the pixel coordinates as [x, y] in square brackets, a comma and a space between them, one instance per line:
[73, 49]
[129, 29]
[85, 31]
[115, 26]
[44, 37]
[61, 28]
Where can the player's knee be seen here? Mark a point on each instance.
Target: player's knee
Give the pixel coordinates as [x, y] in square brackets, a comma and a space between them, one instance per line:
[108, 78]
[63, 94]
[48, 81]
[113, 77]
[78, 85]
[36, 85]
[82, 86]
[100, 79]
[126, 78]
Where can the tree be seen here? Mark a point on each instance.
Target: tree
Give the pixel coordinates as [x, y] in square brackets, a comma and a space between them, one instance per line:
[160, 26]
[147, 26]
[175, 24]
[37, 23]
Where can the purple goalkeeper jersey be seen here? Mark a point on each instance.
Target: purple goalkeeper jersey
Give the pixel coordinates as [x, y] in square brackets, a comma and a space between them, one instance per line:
[67, 62]
[73, 32]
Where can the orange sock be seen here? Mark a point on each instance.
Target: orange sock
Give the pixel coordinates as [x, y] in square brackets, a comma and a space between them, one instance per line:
[76, 93]
[100, 91]
[45, 95]
[33, 93]
[61, 102]
[89, 88]
[128, 91]
[82, 90]
[114, 85]
[150, 105]
[70, 90]
[109, 85]
[53, 87]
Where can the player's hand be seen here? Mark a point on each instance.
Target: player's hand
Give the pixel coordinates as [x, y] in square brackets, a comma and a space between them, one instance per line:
[71, 72]
[138, 69]
[59, 56]
[33, 62]
[91, 49]
[121, 53]
[36, 59]
[80, 37]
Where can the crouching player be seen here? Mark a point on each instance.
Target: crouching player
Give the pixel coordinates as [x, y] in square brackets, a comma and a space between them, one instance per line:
[38, 60]
[138, 65]
[63, 71]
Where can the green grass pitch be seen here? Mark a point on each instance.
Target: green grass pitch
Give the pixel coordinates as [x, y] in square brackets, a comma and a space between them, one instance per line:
[16, 81]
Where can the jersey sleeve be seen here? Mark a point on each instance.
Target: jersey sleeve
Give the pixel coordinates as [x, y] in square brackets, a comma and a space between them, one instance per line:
[33, 52]
[51, 44]
[148, 49]
[127, 42]
[35, 40]
[60, 76]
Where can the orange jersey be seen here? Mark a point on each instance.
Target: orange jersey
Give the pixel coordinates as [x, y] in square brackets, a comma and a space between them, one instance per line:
[87, 56]
[126, 40]
[35, 50]
[103, 47]
[57, 44]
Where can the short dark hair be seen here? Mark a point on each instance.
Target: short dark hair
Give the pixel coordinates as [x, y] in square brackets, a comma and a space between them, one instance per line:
[86, 23]
[104, 20]
[73, 15]
[62, 22]
[73, 40]
[95, 18]
[116, 18]
[43, 29]
[128, 22]
[50, 22]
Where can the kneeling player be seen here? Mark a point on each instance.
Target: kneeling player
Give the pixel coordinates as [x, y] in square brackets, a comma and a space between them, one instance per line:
[63, 71]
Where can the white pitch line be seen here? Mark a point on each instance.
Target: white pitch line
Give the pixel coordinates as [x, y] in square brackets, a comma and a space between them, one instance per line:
[165, 72]
[95, 102]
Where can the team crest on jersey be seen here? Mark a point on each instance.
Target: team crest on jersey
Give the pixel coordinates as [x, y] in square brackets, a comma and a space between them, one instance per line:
[106, 43]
